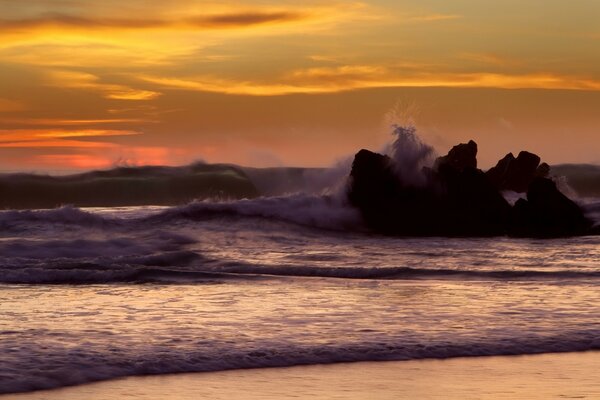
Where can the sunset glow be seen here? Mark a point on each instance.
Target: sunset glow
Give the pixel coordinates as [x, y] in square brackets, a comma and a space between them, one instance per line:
[306, 83]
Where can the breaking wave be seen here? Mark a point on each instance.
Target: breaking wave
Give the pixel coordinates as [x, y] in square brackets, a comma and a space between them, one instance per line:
[316, 211]
[308, 210]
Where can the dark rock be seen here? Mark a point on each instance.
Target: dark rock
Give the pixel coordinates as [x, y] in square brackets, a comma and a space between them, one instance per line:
[547, 213]
[498, 174]
[516, 173]
[474, 204]
[386, 203]
[457, 199]
[543, 171]
[461, 156]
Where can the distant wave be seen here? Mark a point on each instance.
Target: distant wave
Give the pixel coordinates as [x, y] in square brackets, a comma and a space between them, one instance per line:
[591, 208]
[126, 186]
[164, 185]
[583, 178]
[78, 365]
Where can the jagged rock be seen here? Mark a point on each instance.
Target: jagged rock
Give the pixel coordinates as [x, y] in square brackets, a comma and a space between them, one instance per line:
[543, 171]
[461, 156]
[516, 173]
[547, 212]
[457, 199]
[474, 204]
[386, 203]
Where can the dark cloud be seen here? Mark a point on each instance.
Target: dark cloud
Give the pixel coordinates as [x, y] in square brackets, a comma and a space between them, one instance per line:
[70, 21]
[247, 19]
[216, 21]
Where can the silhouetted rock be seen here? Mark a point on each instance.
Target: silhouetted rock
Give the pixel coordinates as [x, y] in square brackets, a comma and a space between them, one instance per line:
[516, 173]
[543, 171]
[461, 156]
[457, 199]
[547, 212]
[386, 203]
[474, 205]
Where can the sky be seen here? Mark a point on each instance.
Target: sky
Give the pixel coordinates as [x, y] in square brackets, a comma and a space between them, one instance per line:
[95, 84]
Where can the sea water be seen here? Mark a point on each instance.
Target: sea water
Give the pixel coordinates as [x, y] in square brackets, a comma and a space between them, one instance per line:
[95, 294]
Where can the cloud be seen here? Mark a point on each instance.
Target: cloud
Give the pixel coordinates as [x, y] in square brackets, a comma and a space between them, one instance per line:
[228, 20]
[52, 137]
[72, 122]
[75, 161]
[62, 148]
[77, 22]
[129, 35]
[83, 80]
[109, 156]
[353, 77]
[235, 20]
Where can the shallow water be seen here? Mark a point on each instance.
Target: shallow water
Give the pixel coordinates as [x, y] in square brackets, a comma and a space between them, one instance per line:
[95, 294]
[538, 377]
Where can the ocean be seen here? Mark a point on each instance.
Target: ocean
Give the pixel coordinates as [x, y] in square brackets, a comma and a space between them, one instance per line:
[90, 294]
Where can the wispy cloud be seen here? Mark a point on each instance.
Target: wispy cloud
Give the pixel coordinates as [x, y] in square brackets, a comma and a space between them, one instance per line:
[109, 156]
[243, 19]
[353, 77]
[231, 20]
[25, 137]
[136, 37]
[72, 122]
[83, 80]
[76, 148]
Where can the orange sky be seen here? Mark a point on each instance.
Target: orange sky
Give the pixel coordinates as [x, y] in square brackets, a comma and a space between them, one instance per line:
[95, 84]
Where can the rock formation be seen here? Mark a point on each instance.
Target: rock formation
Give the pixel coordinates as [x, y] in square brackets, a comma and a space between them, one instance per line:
[547, 212]
[516, 173]
[460, 200]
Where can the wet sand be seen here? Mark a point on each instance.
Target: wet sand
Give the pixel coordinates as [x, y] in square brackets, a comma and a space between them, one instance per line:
[546, 376]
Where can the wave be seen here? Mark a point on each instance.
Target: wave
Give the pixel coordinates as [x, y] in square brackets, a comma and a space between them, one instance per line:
[187, 267]
[118, 259]
[313, 211]
[152, 185]
[317, 211]
[79, 364]
[591, 208]
[67, 215]
[401, 273]
[583, 178]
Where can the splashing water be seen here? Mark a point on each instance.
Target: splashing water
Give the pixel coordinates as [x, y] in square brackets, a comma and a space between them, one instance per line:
[410, 155]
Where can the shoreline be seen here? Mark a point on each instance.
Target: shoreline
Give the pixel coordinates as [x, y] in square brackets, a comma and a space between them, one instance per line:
[540, 376]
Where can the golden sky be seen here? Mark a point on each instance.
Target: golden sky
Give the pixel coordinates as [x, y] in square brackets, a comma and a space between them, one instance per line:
[92, 84]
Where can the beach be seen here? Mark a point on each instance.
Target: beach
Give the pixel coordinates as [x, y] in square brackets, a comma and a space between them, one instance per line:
[546, 376]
